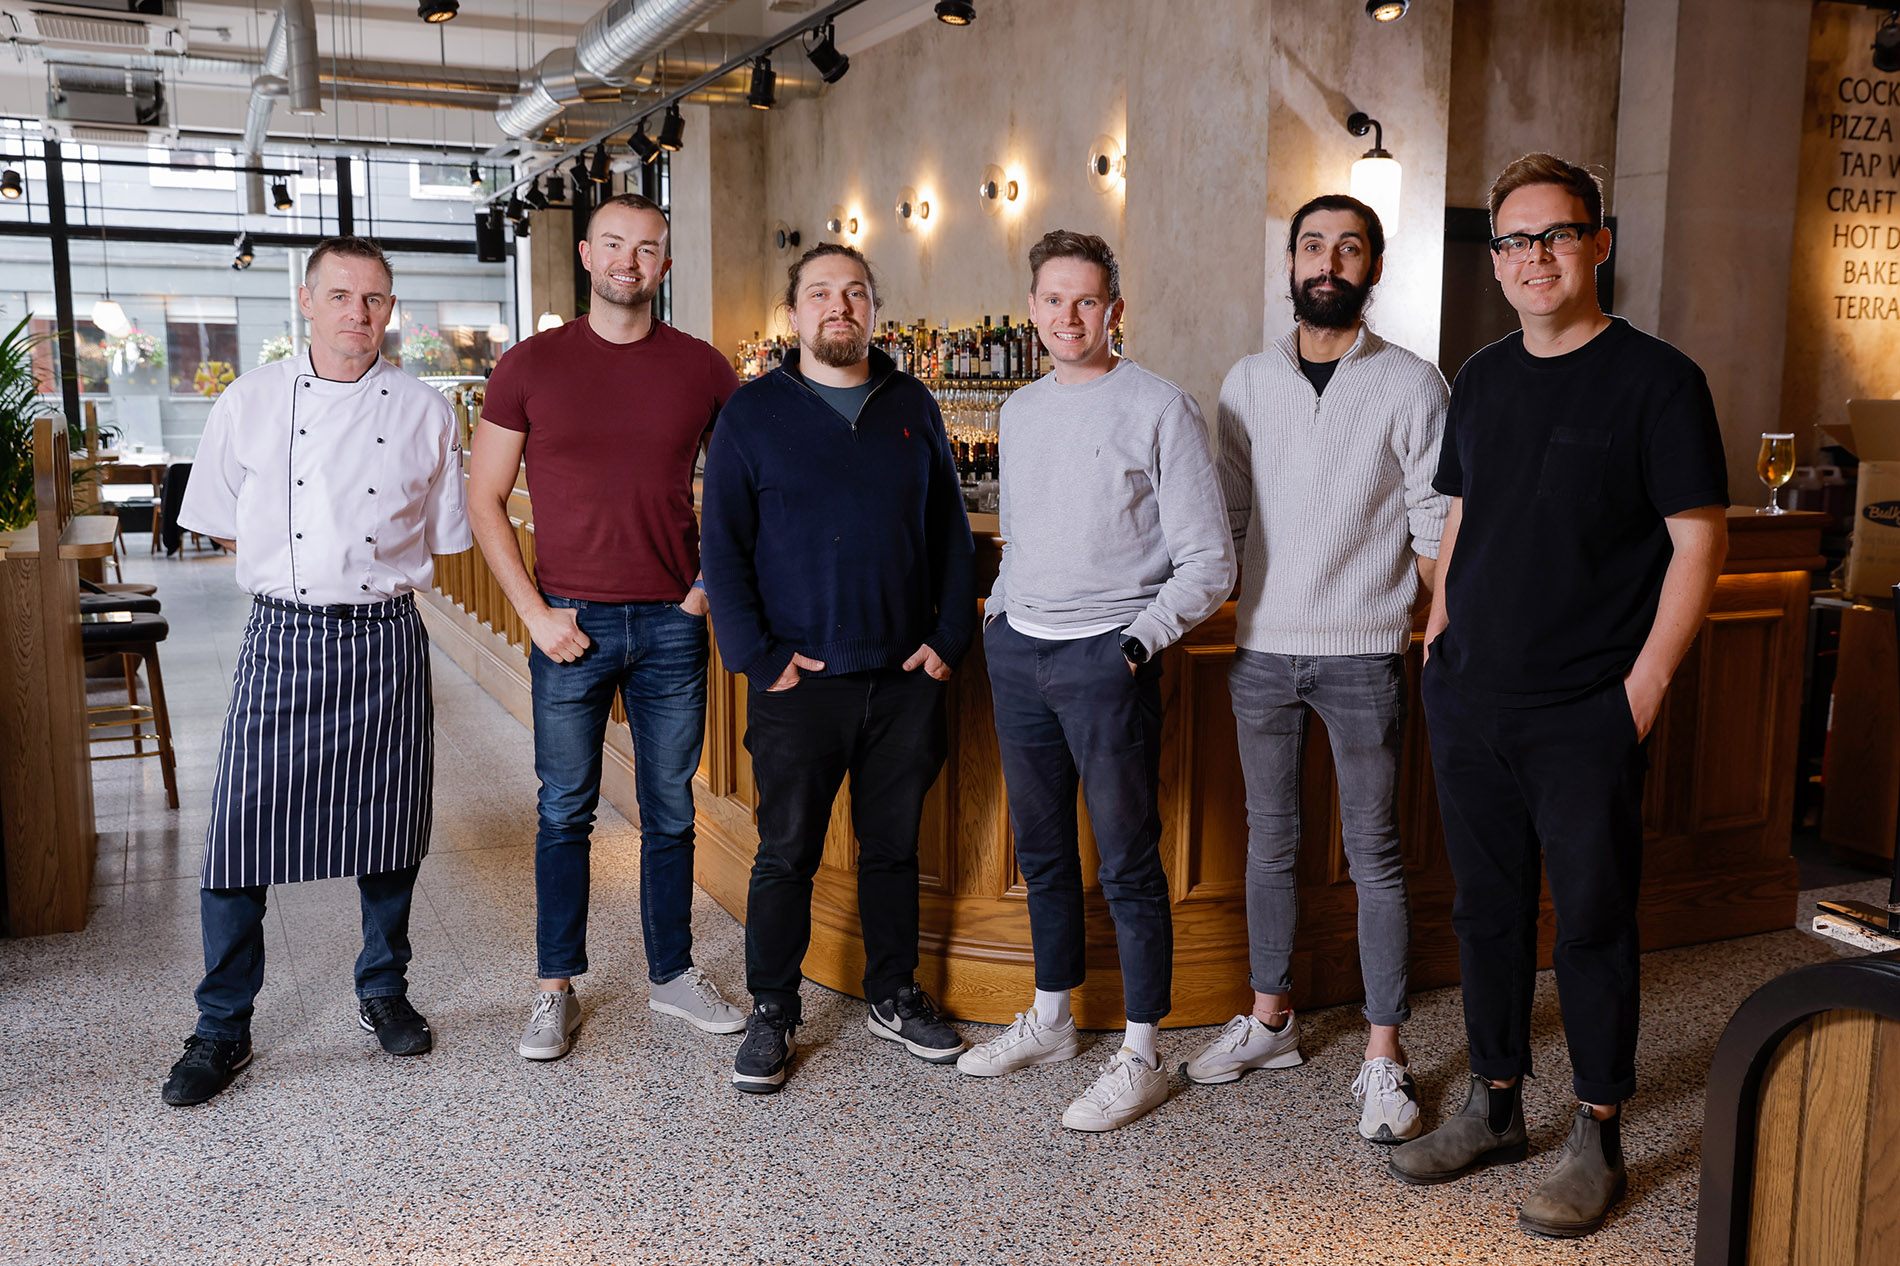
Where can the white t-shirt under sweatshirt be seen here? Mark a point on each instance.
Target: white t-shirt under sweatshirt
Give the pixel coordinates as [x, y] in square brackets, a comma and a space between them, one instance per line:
[1331, 496]
[1111, 510]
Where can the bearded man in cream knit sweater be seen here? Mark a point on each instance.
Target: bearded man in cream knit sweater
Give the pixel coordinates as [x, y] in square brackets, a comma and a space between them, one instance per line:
[1328, 443]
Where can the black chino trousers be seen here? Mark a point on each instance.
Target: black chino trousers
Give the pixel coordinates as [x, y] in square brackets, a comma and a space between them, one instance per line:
[1565, 779]
[883, 729]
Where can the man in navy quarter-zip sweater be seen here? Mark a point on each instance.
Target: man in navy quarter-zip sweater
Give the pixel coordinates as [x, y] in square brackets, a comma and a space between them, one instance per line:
[838, 560]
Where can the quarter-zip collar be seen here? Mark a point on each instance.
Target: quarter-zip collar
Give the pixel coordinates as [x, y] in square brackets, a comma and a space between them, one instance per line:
[1365, 345]
[883, 369]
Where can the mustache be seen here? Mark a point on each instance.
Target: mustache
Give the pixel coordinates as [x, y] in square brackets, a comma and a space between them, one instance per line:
[1332, 310]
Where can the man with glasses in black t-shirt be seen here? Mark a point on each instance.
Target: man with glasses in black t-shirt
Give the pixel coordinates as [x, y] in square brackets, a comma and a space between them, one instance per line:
[1586, 531]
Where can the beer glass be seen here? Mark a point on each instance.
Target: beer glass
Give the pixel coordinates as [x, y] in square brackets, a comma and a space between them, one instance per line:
[1775, 464]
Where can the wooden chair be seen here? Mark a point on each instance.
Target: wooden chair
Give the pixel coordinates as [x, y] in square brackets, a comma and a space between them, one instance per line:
[117, 628]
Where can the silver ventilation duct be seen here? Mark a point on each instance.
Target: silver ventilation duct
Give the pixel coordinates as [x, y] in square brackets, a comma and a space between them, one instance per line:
[289, 69]
[610, 49]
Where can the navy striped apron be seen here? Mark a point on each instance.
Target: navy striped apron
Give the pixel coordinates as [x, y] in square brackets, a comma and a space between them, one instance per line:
[327, 765]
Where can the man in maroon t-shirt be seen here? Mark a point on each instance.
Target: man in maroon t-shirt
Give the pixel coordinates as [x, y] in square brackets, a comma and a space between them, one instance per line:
[610, 411]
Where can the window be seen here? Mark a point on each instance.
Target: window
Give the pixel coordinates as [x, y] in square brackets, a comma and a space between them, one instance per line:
[193, 169]
[201, 344]
[441, 182]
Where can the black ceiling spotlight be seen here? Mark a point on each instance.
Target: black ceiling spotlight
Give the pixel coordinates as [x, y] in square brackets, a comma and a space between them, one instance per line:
[245, 253]
[535, 197]
[1387, 10]
[11, 186]
[597, 170]
[956, 12]
[515, 212]
[474, 175]
[438, 10]
[1887, 44]
[557, 188]
[644, 147]
[673, 130]
[280, 195]
[823, 53]
[763, 94]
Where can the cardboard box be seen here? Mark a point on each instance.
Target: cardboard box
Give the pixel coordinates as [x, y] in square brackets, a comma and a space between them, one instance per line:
[1872, 434]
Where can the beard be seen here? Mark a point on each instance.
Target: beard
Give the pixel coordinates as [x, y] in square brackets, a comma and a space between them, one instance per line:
[840, 349]
[607, 290]
[1335, 311]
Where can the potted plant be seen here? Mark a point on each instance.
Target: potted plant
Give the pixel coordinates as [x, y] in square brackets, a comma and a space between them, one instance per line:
[19, 409]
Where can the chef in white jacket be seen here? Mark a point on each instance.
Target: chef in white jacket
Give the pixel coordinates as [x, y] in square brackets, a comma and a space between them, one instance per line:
[336, 477]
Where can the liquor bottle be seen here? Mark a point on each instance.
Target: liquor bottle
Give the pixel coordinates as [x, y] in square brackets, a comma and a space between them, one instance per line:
[999, 360]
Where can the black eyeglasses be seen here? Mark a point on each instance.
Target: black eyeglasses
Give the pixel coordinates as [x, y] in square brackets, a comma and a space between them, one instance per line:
[1558, 239]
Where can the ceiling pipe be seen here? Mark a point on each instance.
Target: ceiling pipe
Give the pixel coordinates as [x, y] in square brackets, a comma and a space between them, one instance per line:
[289, 70]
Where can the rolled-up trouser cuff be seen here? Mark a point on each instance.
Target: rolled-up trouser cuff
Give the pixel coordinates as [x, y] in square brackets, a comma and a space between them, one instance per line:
[1389, 1018]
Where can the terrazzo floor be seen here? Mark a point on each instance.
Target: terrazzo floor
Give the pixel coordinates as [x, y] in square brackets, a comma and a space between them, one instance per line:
[635, 1148]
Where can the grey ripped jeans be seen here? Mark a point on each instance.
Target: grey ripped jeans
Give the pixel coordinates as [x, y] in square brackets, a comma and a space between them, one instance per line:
[1361, 698]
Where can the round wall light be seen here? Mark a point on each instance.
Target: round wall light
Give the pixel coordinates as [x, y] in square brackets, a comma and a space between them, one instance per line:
[998, 189]
[1108, 165]
[910, 209]
[1387, 10]
[784, 237]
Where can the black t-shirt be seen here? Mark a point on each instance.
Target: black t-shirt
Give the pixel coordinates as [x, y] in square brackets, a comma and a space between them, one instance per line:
[1568, 466]
[1318, 372]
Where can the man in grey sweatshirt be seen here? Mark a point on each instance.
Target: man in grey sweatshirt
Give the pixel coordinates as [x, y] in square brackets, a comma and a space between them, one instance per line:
[1116, 543]
[1328, 443]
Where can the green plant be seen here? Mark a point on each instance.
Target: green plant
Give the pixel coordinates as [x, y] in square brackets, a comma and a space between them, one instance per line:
[20, 389]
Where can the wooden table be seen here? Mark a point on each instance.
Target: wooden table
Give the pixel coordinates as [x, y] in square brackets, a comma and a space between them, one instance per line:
[1717, 815]
[84, 536]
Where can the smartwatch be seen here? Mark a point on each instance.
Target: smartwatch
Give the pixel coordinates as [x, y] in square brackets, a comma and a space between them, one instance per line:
[1136, 653]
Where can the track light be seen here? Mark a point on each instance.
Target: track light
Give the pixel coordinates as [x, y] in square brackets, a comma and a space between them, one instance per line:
[1886, 46]
[245, 253]
[438, 10]
[557, 188]
[823, 53]
[956, 12]
[673, 130]
[280, 195]
[597, 170]
[535, 197]
[763, 94]
[474, 175]
[11, 186]
[644, 147]
[1387, 10]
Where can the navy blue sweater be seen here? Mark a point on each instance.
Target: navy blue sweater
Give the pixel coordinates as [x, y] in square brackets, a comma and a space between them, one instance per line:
[844, 542]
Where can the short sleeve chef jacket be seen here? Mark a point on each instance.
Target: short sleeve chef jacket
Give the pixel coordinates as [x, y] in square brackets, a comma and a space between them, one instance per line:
[336, 492]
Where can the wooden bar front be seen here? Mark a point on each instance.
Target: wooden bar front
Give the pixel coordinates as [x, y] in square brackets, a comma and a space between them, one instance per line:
[1717, 814]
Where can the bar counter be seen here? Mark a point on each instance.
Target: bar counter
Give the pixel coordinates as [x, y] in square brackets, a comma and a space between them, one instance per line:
[1717, 812]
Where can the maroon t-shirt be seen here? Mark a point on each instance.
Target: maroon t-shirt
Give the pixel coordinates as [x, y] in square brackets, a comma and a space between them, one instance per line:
[612, 429]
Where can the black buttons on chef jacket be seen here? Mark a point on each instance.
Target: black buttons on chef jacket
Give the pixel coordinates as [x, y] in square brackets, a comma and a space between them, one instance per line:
[300, 483]
[369, 540]
[301, 431]
[303, 591]
[385, 391]
[372, 492]
[366, 587]
[379, 439]
[300, 536]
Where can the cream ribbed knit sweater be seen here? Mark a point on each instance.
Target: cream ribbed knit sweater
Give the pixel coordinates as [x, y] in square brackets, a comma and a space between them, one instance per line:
[1330, 497]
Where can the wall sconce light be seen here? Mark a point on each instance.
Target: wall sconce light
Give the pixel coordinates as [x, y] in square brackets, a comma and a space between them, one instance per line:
[1376, 174]
[1887, 45]
[1387, 10]
[997, 188]
[784, 237]
[1108, 166]
[842, 223]
[913, 209]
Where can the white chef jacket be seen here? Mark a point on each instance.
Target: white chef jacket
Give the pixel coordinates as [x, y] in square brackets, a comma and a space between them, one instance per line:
[336, 492]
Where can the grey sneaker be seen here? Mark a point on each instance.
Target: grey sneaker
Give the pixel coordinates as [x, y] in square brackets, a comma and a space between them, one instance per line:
[1242, 1044]
[1464, 1142]
[556, 1014]
[694, 998]
[1586, 1184]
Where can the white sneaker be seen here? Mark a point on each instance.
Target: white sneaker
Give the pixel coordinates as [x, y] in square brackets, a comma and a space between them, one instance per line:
[1245, 1043]
[1127, 1089]
[694, 998]
[1025, 1043]
[1388, 1099]
[551, 1025]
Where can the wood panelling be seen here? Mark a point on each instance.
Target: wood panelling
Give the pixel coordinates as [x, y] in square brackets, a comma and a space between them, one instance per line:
[1717, 812]
[1826, 1189]
[1862, 765]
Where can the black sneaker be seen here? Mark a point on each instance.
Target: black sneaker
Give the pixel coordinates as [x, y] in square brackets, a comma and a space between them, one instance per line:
[207, 1066]
[911, 1019]
[765, 1057]
[397, 1025]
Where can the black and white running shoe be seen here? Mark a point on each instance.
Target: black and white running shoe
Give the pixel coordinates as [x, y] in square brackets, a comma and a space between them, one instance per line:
[765, 1057]
[912, 1021]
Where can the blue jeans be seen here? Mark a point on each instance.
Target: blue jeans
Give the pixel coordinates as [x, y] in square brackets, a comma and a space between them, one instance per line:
[1361, 700]
[1069, 713]
[232, 920]
[653, 655]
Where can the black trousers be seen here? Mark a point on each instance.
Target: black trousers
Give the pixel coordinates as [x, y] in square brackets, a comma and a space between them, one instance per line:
[884, 730]
[1566, 778]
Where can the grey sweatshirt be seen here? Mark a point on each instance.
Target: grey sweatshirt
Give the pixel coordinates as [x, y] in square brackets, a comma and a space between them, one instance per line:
[1111, 508]
[1331, 496]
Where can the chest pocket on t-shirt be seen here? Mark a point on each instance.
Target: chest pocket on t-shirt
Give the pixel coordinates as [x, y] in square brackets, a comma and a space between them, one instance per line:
[1575, 463]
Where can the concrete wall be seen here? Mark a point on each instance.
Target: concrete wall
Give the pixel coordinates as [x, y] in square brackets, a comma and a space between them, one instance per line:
[1531, 75]
[1327, 62]
[1843, 332]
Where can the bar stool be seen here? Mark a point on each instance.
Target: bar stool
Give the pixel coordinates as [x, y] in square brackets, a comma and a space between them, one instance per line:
[135, 635]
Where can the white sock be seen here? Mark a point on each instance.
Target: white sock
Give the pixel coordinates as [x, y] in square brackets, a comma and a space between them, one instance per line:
[1140, 1039]
[1052, 1009]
